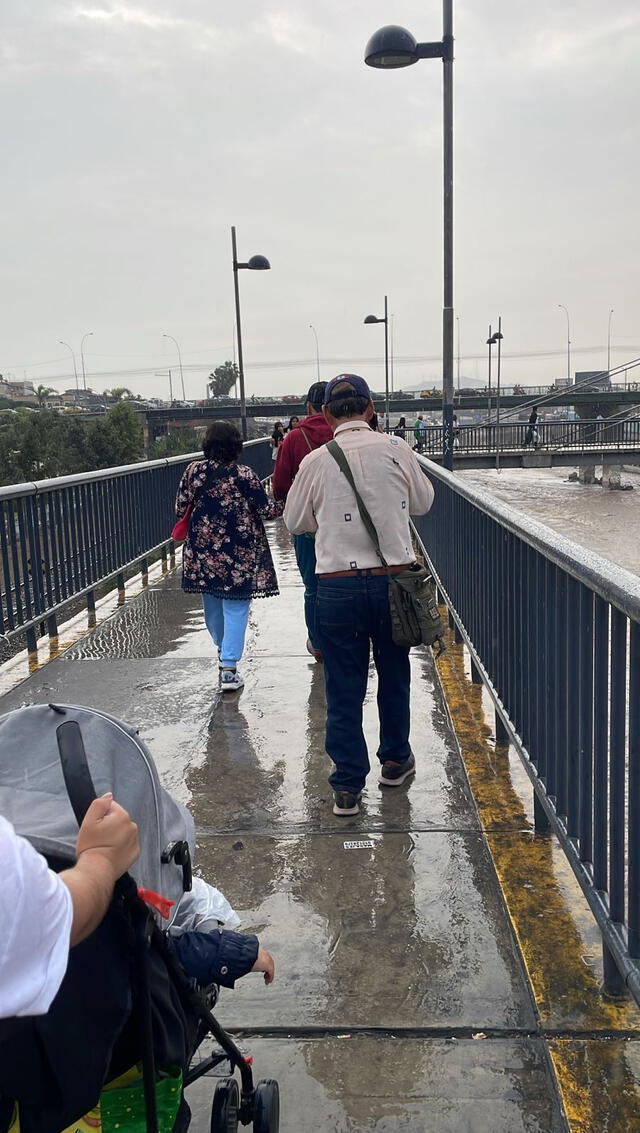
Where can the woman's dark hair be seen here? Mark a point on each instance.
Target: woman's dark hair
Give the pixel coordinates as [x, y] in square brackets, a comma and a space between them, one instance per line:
[277, 430]
[291, 421]
[222, 442]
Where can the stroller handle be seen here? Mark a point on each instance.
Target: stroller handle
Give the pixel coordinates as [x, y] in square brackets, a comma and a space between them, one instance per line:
[75, 768]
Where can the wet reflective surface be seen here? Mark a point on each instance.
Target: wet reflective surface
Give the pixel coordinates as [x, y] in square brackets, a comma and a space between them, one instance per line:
[406, 940]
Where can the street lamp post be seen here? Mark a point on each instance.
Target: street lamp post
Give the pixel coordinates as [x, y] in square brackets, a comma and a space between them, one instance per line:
[89, 334]
[458, 330]
[75, 368]
[609, 344]
[391, 47]
[385, 320]
[498, 336]
[180, 362]
[311, 327]
[256, 263]
[568, 343]
[490, 341]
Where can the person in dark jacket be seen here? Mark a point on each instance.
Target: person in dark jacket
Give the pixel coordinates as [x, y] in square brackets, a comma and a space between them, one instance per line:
[226, 555]
[309, 434]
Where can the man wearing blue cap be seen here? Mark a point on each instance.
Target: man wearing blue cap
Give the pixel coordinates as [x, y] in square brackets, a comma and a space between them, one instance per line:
[352, 605]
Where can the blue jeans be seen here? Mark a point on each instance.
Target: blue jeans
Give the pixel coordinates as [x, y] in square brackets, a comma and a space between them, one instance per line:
[305, 549]
[226, 619]
[350, 614]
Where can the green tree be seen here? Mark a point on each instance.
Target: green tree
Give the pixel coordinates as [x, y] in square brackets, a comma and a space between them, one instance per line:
[178, 442]
[120, 393]
[223, 379]
[42, 393]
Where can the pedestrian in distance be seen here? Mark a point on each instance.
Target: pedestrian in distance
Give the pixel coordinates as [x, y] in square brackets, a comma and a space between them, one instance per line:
[419, 433]
[293, 421]
[531, 435]
[277, 438]
[226, 555]
[352, 606]
[400, 428]
[306, 436]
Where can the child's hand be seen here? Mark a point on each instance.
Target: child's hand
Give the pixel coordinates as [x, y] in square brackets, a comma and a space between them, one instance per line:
[265, 963]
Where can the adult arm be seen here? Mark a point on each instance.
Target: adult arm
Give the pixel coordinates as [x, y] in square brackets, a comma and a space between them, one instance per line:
[420, 486]
[193, 477]
[258, 498]
[107, 845]
[298, 513]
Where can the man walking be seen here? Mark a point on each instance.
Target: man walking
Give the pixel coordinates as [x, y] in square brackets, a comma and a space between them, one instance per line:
[352, 604]
[303, 438]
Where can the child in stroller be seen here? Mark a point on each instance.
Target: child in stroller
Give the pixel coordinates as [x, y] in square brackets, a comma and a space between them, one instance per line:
[140, 989]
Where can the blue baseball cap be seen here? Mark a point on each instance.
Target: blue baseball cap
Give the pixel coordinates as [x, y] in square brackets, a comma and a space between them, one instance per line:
[346, 385]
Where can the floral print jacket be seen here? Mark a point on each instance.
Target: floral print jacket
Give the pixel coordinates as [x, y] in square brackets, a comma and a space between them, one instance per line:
[226, 552]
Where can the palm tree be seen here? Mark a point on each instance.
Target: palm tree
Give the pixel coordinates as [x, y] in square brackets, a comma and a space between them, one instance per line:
[42, 393]
[120, 393]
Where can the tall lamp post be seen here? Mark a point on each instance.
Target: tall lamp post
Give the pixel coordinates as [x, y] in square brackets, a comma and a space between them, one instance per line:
[89, 334]
[609, 343]
[75, 368]
[568, 343]
[391, 47]
[498, 336]
[179, 360]
[311, 327]
[256, 263]
[385, 319]
[490, 342]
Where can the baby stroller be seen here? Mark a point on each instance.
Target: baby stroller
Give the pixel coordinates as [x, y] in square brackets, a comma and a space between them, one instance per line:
[125, 1002]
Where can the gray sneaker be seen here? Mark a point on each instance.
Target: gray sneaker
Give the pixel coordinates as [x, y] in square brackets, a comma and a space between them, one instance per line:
[346, 803]
[392, 774]
[230, 680]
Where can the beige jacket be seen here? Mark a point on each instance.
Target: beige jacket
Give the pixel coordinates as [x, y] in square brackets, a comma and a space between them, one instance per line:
[392, 486]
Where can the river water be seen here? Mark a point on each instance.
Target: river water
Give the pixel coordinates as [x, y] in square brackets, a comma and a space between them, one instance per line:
[604, 521]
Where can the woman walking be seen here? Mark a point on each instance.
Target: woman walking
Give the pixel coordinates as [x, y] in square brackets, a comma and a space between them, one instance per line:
[277, 438]
[226, 555]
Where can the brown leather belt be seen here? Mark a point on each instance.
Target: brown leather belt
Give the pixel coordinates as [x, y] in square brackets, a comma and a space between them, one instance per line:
[365, 571]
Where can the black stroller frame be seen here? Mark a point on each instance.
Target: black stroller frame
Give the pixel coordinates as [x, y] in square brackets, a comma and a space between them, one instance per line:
[257, 1104]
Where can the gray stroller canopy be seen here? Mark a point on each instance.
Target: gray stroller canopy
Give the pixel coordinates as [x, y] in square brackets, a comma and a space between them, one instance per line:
[34, 798]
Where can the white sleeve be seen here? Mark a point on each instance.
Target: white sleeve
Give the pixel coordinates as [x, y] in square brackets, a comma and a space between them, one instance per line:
[36, 912]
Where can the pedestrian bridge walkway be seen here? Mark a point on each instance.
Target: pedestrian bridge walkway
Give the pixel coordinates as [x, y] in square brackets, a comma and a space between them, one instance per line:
[437, 969]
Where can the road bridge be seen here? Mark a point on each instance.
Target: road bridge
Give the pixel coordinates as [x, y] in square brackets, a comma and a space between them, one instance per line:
[437, 962]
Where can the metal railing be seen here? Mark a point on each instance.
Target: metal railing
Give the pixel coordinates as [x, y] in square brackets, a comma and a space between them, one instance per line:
[61, 539]
[566, 436]
[553, 631]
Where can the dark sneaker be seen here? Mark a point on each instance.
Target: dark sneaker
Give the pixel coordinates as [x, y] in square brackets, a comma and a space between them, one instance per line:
[315, 653]
[346, 803]
[393, 774]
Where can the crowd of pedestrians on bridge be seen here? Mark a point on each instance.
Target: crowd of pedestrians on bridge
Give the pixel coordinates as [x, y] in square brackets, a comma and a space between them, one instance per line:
[227, 560]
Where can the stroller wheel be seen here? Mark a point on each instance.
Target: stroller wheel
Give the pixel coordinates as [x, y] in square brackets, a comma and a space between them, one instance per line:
[266, 1112]
[225, 1107]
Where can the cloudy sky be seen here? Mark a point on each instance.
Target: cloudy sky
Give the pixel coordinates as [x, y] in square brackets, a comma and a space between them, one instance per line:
[135, 134]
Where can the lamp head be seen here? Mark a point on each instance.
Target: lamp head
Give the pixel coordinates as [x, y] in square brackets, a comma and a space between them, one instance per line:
[258, 263]
[372, 319]
[391, 47]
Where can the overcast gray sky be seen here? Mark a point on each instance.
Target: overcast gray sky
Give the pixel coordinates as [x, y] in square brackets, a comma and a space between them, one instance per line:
[135, 134]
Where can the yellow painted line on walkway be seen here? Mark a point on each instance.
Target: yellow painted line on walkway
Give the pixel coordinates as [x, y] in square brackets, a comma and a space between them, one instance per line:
[599, 1078]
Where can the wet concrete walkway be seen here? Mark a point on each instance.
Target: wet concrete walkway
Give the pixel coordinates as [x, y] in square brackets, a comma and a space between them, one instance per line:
[401, 1000]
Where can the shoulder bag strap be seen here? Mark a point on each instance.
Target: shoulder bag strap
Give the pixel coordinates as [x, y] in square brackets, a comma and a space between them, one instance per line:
[334, 448]
[306, 439]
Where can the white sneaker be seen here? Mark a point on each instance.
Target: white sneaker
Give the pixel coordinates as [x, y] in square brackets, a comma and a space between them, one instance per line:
[230, 680]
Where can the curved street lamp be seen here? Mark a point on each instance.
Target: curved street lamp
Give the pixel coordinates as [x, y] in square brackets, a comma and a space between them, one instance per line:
[89, 334]
[256, 263]
[311, 327]
[392, 47]
[385, 319]
[175, 341]
[568, 343]
[75, 368]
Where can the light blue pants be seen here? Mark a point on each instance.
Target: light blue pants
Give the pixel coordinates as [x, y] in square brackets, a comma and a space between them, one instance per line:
[226, 619]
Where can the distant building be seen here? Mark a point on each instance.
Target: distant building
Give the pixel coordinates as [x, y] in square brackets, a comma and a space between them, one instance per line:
[17, 391]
